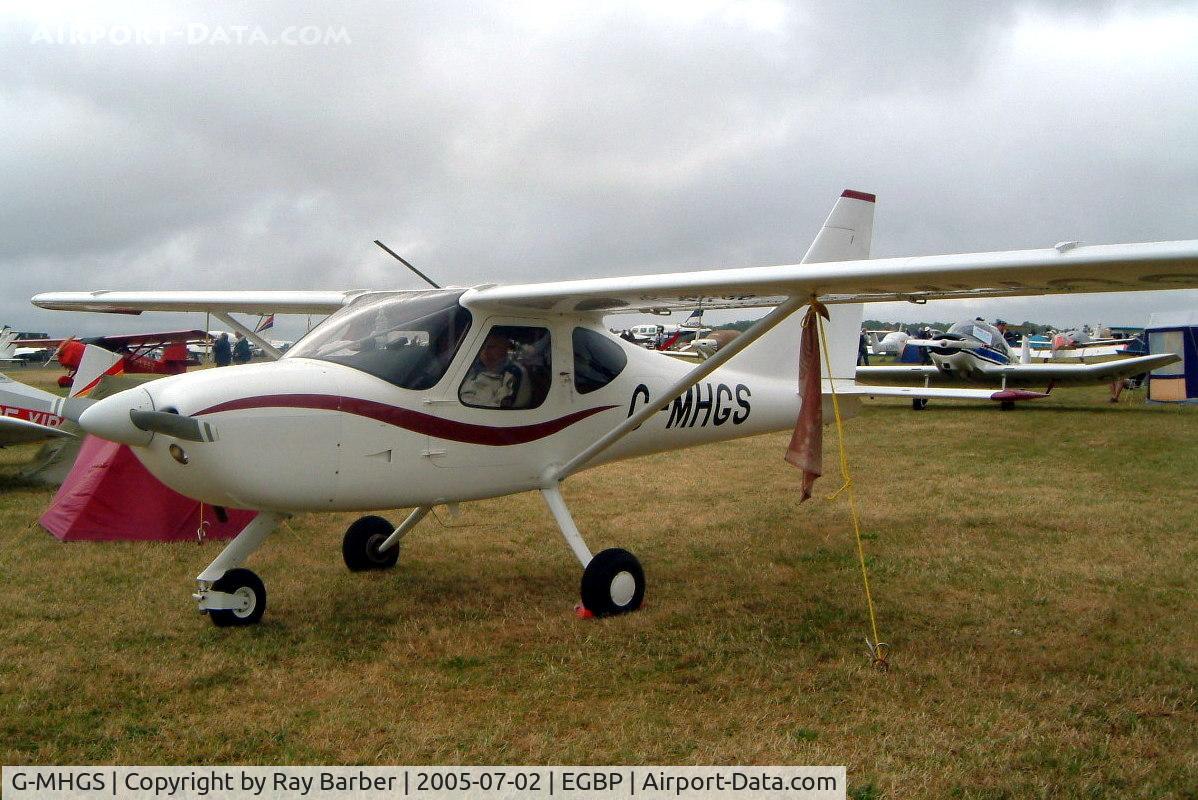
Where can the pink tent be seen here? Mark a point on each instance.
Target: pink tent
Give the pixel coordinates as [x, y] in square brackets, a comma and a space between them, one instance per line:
[109, 495]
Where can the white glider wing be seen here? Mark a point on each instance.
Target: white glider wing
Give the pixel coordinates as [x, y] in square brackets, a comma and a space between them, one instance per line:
[250, 302]
[1058, 270]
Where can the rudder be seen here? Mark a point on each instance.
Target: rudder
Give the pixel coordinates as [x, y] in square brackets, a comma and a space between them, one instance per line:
[846, 235]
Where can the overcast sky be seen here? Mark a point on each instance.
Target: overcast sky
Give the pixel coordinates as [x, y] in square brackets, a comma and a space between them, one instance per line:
[156, 145]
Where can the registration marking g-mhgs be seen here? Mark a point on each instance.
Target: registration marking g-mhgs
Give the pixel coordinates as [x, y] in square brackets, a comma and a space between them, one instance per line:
[706, 403]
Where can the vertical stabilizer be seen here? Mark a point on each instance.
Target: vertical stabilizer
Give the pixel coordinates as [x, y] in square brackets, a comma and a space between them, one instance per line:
[8, 349]
[845, 236]
[95, 364]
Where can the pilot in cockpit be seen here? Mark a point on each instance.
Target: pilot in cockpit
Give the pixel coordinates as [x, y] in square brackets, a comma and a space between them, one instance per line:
[493, 381]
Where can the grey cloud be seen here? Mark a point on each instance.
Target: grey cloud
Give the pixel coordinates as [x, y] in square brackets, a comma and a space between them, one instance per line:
[488, 146]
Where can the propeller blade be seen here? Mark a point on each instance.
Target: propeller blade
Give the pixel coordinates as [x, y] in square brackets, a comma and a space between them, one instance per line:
[168, 424]
[945, 344]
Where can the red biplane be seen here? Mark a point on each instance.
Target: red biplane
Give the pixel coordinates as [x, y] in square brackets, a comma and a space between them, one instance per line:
[154, 353]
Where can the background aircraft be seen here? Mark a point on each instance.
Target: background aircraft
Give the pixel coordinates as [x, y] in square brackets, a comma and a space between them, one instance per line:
[28, 414]
[887, 343]
[975, 353]
[162, 353]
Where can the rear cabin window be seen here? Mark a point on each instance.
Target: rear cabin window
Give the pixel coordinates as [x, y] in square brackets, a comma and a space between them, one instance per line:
[510, 371]
[597, 360]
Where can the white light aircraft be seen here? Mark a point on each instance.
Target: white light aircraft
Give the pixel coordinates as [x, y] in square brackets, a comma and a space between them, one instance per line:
[420, 398]
[888, 343]
[975, 353]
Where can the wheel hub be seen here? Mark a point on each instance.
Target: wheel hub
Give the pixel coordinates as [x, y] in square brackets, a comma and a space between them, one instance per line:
[623, 587]
[372, 549]
[245, 601]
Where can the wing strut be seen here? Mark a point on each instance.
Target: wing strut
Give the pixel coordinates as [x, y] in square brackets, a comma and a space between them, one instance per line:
[253, 336]
[759, 329]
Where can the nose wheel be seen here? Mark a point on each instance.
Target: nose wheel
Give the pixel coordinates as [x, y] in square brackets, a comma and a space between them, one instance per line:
[612, 583]
[361, 546]
[242, 599]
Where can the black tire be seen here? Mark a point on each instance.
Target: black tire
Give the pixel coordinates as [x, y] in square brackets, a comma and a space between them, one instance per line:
[360, 547]
[919, 404]
[1006, 405]
[613, 583]
[249, 587]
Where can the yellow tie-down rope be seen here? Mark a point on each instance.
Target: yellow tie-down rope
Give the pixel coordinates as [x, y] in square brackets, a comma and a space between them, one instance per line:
[878, 650]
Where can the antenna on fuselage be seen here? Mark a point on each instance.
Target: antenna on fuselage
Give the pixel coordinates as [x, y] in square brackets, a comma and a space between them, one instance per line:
[401, 260]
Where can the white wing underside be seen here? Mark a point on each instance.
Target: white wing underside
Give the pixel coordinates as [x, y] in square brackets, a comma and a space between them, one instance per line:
[19, 431]
[1097, 268]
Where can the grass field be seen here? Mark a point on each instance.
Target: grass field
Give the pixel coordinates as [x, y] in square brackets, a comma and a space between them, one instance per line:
[1034, 571]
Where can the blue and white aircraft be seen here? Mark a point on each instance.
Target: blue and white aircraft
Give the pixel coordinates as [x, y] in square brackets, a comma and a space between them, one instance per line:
[975, 353]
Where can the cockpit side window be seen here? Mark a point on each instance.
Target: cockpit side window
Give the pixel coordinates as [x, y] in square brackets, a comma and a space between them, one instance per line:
[511, 370]
[407, 339]
[597, 360]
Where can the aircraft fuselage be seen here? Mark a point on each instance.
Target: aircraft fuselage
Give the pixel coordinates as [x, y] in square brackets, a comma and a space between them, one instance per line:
[309, 435]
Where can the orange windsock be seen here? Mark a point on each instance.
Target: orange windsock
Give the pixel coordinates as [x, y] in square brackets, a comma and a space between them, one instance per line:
[807, 442]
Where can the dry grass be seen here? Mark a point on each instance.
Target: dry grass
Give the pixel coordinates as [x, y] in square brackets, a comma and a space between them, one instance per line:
[1034, 572]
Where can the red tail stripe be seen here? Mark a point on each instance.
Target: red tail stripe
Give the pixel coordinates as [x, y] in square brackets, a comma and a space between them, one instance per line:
[411, 420]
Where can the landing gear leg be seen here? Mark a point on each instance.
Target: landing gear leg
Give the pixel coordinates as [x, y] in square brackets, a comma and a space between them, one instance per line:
[612, 580]
[233, 596]
[373, 542]
[919, 404]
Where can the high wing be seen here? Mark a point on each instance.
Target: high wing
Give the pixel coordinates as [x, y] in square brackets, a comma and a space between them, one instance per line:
[14, 430]
[1038, 375]
[265, 302]
[1058, 270]
[150, 339]
[128, 340]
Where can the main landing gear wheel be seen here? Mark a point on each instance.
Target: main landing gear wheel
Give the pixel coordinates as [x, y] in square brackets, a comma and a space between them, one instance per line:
[360, 547]
[248, 592]
[613, 583]
[919, 404]
[1006, 405]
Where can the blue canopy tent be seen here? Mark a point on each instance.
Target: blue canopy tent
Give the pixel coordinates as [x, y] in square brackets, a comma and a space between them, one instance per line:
[1174, 332]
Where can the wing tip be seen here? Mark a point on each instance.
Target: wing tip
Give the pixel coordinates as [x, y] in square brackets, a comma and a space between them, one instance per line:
[856, 195]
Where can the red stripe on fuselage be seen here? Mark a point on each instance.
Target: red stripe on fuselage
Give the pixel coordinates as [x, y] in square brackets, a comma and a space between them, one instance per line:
[411, 420]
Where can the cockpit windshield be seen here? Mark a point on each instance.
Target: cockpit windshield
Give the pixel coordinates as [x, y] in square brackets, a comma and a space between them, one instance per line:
[986, 334]
[408, 338]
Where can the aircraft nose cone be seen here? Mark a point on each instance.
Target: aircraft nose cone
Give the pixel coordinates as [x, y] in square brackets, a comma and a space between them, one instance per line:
[109, 418]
